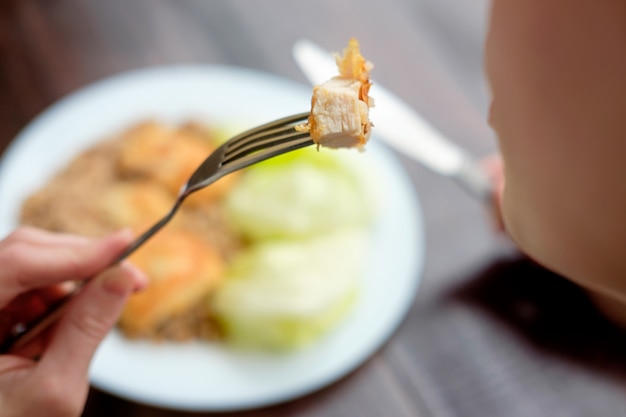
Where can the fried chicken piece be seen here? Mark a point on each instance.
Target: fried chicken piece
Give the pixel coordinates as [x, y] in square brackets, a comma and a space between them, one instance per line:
[183, 271]
[340, 107]
[170, 156]
[134, 204]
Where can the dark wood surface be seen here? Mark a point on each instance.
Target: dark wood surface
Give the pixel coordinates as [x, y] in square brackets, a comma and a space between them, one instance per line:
[490, 333]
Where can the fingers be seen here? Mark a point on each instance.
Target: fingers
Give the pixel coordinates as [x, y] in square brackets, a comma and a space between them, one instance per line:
[35, 259]
[38, 236]
[89, 317]
[33, 349]
[11, 363]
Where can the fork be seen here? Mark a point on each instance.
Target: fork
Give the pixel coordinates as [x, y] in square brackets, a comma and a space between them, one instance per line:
[250, 147]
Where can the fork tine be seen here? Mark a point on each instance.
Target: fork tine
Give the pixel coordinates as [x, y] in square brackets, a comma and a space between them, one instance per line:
[291, 142]
[263, 140]
[293, 119]
[265, 130]
[249, 147]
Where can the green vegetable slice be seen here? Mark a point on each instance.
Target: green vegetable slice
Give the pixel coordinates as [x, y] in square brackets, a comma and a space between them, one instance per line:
[280, 295]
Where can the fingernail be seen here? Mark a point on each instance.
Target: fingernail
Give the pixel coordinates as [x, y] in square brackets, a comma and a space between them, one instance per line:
[140, 279]
[124, 234]
[141, 282]
[118, 281]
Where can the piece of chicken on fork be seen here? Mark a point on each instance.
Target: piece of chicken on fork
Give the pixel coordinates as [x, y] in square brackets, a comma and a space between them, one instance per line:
[340, 107]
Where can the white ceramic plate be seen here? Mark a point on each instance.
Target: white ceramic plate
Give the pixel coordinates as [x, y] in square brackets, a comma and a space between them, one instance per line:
[204, 376]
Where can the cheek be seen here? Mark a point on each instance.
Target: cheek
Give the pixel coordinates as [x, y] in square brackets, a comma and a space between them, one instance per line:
[499, 78]
[510, 68]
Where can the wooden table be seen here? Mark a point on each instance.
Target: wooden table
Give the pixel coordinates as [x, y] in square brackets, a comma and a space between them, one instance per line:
[490, 333]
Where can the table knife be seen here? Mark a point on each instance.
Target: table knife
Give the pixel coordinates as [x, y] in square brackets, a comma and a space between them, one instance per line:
[400, 127]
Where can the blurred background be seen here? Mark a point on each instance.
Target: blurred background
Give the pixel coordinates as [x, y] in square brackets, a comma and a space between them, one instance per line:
[490, 333]
[50, 49]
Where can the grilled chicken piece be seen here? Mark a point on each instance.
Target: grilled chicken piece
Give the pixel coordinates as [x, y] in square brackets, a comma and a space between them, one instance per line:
[340, 106]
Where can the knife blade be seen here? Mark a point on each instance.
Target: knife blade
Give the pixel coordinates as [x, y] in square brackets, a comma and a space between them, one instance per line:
[400, 127]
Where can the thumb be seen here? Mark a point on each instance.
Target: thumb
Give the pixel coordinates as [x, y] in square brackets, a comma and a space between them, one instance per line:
[89, 317]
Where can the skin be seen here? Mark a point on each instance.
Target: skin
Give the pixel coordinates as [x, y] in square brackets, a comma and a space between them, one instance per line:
[557, 74]
[34, 264]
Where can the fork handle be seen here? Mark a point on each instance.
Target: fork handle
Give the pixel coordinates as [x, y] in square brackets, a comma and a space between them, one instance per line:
[150, 232]
[20, 333]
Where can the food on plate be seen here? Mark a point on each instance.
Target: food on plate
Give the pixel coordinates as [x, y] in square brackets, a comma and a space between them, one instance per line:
[266, 258]
[303, 194]
[294, 225]
[169, 157]
[340, 107]
[283, 294]
[124, 181]
[308, 215]
[184, 271]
